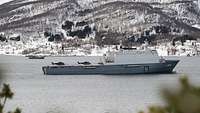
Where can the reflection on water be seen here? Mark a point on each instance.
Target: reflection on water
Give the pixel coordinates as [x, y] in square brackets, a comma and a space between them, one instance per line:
[37, 93]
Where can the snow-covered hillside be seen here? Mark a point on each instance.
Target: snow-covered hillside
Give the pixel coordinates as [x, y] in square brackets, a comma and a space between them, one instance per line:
[120, 18]
[120, 15]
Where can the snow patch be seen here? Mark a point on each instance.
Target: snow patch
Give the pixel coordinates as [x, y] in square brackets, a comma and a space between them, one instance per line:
[25, 1]
[196, 26]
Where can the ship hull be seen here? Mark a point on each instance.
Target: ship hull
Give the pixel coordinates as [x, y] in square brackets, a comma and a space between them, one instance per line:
[117, 69]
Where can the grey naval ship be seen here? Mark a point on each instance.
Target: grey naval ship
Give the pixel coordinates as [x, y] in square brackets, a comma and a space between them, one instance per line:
[126, 61]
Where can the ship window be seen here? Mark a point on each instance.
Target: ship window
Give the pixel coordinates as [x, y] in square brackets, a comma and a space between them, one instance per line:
[146, 68]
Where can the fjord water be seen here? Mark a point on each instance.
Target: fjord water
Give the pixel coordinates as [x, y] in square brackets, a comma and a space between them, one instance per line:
[38, 93]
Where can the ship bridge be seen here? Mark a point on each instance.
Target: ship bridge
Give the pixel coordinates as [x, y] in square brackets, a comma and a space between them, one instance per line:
[129, 56]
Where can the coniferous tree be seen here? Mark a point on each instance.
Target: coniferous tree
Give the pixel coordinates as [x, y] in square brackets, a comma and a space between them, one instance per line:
[5, 94]
[185, 99]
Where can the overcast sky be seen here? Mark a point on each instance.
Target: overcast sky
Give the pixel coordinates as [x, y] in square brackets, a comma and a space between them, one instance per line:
[4, 1]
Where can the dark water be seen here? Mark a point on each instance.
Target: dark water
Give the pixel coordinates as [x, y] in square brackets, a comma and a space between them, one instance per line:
[36, 93]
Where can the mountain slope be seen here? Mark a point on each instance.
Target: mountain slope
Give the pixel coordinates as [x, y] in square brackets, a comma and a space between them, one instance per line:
[30, 17]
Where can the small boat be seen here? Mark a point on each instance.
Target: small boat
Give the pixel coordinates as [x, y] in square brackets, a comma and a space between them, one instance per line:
[122, 62]
[35, 57]
[58, 63]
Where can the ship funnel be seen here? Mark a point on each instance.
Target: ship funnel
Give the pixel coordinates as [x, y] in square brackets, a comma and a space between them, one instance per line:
[145, 45]
[109, 57]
